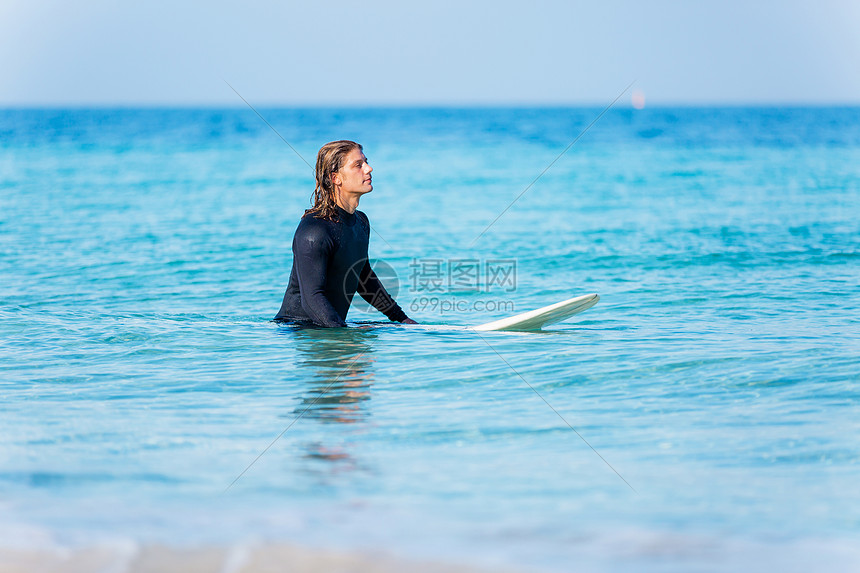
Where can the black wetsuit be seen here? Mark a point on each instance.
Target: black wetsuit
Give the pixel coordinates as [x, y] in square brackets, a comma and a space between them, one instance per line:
[329, 266]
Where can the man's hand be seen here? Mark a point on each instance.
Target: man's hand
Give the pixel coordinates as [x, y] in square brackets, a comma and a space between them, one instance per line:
[408, 321]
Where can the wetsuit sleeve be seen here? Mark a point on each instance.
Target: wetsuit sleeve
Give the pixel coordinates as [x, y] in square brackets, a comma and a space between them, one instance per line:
[370, 288]
[312, 248]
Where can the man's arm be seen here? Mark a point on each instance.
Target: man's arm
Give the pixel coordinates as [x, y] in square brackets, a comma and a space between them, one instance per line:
[370, 288]
[312, 248]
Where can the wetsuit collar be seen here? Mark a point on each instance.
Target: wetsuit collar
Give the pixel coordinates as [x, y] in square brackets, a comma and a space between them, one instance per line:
[345, 215]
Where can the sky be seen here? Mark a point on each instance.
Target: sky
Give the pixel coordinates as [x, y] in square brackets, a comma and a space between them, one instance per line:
[110, 52]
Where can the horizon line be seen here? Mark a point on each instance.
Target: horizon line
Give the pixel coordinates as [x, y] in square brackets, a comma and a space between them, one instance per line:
[427, 105]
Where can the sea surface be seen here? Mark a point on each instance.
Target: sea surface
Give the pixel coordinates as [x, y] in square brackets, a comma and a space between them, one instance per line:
[704, 416]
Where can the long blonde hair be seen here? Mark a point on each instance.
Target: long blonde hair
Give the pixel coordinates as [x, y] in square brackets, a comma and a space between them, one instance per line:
[329, 161]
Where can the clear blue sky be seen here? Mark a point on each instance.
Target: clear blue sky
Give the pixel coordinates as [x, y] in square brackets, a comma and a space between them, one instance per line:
[157, 52]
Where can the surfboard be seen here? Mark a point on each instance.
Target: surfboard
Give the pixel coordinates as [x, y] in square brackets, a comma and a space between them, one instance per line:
[544, 316]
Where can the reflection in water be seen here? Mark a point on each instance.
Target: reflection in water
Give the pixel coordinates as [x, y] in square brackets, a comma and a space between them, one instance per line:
[336, 368]
[337, 363]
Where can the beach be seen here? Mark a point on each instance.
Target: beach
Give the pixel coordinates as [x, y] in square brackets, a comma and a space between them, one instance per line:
[241, 559]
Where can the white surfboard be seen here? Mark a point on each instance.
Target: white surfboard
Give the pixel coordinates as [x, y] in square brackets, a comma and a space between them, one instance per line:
[544, 316]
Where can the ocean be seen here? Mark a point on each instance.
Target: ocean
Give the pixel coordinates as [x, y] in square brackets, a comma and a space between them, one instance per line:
[702, 417]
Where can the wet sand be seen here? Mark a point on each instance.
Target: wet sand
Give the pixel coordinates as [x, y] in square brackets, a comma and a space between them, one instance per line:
[262, 558]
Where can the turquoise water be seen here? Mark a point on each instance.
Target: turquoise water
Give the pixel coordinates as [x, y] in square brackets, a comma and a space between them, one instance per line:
[143, 253]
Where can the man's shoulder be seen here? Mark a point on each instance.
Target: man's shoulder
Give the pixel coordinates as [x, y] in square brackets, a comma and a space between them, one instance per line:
[313, 227]
[362, 215]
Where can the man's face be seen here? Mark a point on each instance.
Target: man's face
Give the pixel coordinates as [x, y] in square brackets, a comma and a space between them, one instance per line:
[354, 174]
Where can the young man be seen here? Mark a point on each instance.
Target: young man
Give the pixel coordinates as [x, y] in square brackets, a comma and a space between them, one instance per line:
[330, 246]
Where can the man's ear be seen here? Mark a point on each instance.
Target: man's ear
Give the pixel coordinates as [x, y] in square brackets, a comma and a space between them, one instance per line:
[335, 180]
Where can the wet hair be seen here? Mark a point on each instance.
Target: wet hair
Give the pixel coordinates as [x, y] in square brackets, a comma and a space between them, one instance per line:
[330, 159]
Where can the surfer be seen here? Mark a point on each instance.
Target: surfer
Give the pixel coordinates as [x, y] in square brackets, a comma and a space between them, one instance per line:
[330, 245]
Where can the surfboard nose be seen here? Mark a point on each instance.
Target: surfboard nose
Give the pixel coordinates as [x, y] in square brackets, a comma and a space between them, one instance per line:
[544, 316]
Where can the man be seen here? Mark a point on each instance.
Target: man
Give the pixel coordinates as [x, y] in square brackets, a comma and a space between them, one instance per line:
[330, 245]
